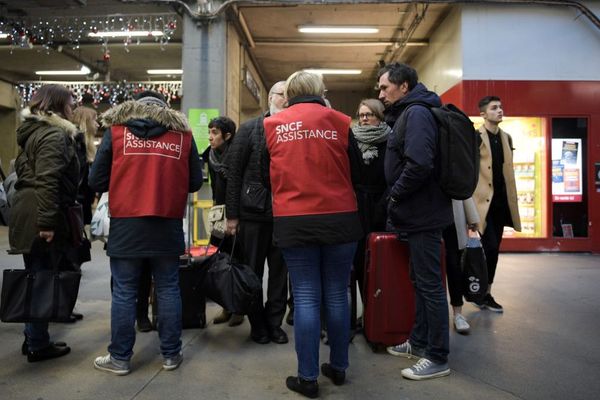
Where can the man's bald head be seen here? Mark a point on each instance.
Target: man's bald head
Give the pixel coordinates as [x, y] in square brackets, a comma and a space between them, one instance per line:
[276, 98]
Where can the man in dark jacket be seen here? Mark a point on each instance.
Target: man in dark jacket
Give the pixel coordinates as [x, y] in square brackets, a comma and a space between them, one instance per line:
[419, 208]
[248, 204]
[149, 161]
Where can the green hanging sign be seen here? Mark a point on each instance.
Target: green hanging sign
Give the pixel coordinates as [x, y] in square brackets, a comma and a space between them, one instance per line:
[199, 119]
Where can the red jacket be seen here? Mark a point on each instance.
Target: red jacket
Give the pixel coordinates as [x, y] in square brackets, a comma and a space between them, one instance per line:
[143, 169]
[310, 171]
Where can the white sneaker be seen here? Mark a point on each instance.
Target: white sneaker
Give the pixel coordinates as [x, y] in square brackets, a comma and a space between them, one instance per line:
[171, 363]
[109, 364]
[460, 324]
[405, 350]
[425, 369]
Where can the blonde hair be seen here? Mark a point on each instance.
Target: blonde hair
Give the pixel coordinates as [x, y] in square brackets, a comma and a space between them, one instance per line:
[84, 118]
[302, 83]
[374, 105]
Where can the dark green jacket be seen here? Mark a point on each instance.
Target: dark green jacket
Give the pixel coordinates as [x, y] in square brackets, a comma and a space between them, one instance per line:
[48, 175]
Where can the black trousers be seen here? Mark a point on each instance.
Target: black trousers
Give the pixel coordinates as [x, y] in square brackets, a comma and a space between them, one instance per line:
[491, 239]
[453, 268]
[256, 242]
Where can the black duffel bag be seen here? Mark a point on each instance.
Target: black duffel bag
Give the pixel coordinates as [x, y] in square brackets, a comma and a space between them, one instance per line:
[232, 285]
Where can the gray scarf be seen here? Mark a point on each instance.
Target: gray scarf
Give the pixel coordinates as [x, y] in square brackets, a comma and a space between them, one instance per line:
[368, 136]
[217, 159]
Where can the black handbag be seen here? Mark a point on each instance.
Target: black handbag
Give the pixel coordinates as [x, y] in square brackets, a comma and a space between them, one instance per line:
[232, 285]
[474, 271]
[39, 296]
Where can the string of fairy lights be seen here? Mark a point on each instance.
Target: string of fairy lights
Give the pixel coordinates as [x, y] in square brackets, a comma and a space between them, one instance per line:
[49, 33]
[27, 32]
[112, 93]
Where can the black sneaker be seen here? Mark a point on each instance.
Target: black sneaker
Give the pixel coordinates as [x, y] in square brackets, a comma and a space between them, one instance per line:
[491, 304]
[306, 388]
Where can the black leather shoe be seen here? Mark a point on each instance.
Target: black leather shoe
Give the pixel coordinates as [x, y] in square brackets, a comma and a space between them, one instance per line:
[77, 316]
[309, 389]
[52, 351]
[25, 347]
[260, 336]
[337, 377]
[144, 325]
[278, 336]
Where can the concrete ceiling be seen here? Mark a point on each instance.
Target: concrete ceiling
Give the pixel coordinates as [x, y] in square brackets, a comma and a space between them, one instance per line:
[271, 32]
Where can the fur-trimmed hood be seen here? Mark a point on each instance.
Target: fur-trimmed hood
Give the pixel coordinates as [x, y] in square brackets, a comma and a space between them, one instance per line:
[31, 122]
[133, 110]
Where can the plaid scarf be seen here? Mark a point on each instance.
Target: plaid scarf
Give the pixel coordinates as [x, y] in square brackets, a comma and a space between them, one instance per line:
[368, 136]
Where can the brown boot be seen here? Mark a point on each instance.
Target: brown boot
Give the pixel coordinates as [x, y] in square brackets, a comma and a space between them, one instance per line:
[223, 317]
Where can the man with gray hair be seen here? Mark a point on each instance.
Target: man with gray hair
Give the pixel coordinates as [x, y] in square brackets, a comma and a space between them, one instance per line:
[149, 161]
[250, 216]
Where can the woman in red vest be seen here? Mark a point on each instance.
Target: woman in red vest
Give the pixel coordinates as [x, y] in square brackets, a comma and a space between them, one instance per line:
[312, 159]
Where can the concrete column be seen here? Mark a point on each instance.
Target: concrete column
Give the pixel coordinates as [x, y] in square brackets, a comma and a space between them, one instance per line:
[204, 61]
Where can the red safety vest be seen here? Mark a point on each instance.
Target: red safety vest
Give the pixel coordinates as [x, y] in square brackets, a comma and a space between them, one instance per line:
[310, 169]
[149, 177]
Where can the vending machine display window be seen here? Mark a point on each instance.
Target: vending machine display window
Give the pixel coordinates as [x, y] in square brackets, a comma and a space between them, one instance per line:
[529, 161]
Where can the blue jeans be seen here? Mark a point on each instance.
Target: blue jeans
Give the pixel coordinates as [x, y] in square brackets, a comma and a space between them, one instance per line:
[126, 278]
[430, 331]
[320, 273]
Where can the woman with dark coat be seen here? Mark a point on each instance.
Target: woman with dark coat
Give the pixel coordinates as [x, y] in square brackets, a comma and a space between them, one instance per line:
[371, 133]
[48, 175]
[221, 131]
[86, 120]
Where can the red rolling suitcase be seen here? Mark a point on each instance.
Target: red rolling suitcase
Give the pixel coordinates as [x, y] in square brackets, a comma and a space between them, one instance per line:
[390, 300]
[389, 312]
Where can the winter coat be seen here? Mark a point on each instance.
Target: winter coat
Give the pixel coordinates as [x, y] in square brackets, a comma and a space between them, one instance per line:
[249, 174]
[133, 237]
[417, 202]
[484, 192]
[465, 214]
[218, 181]
[48, 175]
[85, 195]
[370, 191]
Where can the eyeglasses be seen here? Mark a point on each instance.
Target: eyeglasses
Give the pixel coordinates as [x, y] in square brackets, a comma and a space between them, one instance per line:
[365, 115]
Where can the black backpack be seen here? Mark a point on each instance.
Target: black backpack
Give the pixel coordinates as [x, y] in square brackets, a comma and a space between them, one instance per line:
[457, 159]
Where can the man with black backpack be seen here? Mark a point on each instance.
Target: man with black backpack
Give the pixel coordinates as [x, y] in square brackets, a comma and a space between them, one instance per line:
[419, 208]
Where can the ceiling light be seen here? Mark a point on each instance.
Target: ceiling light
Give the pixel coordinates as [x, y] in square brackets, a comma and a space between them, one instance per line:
[337, 29]
[83, 71]
[3, 35]
[165, 71]
[327, 71]
[125, 34]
